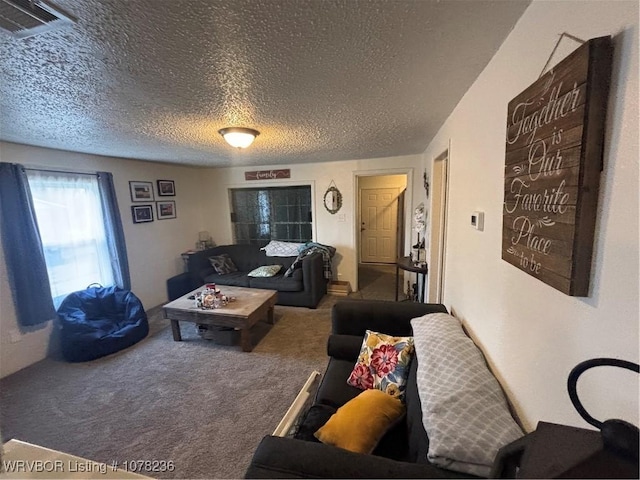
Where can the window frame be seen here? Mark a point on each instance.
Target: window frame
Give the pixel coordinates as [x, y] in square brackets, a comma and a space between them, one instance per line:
[272, 184]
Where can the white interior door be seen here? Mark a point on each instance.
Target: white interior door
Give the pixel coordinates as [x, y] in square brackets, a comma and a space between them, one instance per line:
[379, 225]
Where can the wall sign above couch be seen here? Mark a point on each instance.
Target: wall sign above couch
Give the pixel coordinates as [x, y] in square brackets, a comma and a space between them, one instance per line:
[554, 146]
[267, 174]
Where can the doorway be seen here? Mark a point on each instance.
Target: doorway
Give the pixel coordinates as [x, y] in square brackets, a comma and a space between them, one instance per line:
[438, 238]
[378, 225]
[381, 232]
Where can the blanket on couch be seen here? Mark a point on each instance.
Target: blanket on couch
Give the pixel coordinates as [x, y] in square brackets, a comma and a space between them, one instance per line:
[310, 248]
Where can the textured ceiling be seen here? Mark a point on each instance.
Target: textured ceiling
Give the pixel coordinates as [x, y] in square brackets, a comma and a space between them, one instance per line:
[321, 80]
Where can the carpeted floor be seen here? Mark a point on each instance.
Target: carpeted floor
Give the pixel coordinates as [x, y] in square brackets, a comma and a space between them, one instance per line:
[200, 405]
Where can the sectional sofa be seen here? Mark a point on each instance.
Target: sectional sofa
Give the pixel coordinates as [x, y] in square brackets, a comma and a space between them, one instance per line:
[449, 384]
[304, 288]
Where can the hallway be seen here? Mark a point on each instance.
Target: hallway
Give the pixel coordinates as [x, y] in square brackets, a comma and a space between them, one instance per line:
[377, 282]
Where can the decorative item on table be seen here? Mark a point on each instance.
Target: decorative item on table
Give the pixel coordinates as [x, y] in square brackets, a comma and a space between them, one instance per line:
[415, 250]
[210, 298]
[204, 241]
[418, 252]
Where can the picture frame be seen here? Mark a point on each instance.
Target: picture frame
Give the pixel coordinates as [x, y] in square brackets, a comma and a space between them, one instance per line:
[166, 209]
[166, 188]
[142, 213]
[141, 191]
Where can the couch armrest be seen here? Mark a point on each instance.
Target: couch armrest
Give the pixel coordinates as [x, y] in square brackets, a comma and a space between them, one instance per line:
[197, 262]
[354, 317]
[313, 277]
[278, 457]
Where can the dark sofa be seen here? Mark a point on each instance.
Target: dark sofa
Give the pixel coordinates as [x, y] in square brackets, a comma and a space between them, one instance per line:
[304, 288]
[402, 452]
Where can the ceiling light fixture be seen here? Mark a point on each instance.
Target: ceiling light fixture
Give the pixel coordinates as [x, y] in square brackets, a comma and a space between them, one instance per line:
[239, 137]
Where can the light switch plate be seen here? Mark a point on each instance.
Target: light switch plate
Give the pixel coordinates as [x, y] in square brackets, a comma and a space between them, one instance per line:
[477, 220]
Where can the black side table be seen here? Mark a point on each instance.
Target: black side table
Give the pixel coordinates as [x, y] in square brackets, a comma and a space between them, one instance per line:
[405, 263]
[561, 451]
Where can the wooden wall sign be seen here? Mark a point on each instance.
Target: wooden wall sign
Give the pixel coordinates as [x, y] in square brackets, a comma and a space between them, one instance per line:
[554, 147]
[267, 174]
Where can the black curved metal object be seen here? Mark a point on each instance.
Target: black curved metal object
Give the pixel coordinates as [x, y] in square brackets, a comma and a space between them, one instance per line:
[583, 367]
[617, 435]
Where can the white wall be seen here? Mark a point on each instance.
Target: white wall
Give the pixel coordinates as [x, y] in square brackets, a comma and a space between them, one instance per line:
[329, 229]
[384, 181]
[153, 248]
[532, 334]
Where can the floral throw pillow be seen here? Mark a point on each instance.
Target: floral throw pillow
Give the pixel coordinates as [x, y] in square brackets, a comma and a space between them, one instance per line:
[223, 264]
[383, 363]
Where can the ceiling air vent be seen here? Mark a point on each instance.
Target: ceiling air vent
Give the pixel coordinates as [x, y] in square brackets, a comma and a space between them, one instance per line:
[24, 18]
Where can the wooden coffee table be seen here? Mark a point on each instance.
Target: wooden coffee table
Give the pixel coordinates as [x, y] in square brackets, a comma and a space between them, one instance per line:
[251, 306]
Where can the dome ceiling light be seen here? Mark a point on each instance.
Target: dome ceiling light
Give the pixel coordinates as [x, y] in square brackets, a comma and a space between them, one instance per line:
[239, 137]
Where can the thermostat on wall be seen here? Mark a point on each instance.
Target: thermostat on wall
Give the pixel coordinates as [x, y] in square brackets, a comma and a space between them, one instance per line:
[477, 220]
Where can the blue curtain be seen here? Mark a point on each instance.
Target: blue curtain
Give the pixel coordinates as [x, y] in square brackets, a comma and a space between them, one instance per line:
[114, 231]
[24, 257]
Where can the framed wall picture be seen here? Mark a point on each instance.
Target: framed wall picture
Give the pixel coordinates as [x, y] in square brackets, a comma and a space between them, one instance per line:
[142, 213]
[166, 188]
[141, 191]
[166, 209]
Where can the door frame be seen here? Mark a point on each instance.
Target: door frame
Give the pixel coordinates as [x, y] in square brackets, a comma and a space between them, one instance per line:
[437, 257]
[408, 171]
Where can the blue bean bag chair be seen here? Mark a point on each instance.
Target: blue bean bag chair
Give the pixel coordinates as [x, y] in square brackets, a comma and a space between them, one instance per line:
[99, 321]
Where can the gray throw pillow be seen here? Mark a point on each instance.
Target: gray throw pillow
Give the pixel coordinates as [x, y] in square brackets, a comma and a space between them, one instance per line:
[223, 264]
[464, 410]
[265, 271]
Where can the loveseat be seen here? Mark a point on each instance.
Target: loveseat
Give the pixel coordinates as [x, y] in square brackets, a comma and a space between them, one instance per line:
[304, 288]
[403, 450]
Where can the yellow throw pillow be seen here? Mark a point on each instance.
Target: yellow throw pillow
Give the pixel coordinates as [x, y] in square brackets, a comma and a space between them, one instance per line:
[360, 423]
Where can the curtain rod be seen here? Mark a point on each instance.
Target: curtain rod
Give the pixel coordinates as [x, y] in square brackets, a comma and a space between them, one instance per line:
[54, 170]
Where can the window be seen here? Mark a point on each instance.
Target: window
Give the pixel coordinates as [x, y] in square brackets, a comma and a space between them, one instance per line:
[72, 230]
[260, 215]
